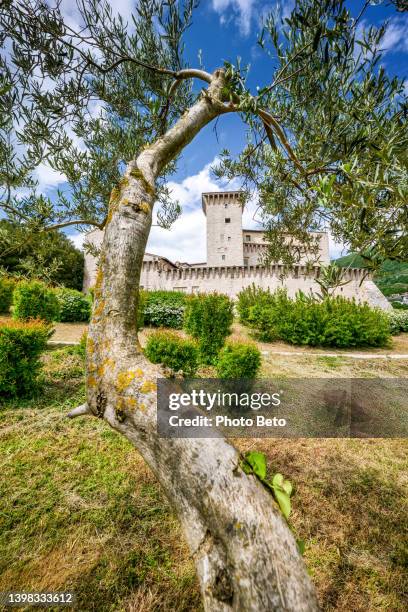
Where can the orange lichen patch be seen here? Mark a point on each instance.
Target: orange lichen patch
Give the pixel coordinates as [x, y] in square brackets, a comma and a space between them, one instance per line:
[124, 379]
[131, 402]
[99, 308]
[137, 174]
[91, 381]
[106, 364]
[90, 345]
[138, 373]
[98, 282]
[115, 193]
[148, 386]
[91, 366]
[144, 207]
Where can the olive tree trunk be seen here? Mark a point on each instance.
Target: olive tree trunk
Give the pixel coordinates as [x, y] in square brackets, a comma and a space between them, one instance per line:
[245, 555]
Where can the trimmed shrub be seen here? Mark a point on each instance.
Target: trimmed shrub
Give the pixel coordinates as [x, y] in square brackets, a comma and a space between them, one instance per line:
[249, 297]
[73, 305]
[34, 300]
[267, 312]
[238, 360]
[173, 352]
[334, 321]
[208, 319]
[163, 308]
[7, 286]
[21, 345]
[398, 322]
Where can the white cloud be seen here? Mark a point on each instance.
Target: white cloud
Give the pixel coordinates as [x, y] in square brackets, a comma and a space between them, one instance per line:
[119, 7]
[396, 36]
[395, 39]
[48, 178]
[336, 249]
[186, 240]
[77, 239]
[241, 10]
[247, 12]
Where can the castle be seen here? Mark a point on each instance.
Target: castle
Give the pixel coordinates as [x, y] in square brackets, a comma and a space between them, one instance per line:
[234, 261]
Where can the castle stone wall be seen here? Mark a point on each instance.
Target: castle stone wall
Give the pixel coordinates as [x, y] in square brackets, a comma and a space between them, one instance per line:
[232, 279]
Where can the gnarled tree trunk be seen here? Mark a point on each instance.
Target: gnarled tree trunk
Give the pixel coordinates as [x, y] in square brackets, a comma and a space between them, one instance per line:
[245, 555]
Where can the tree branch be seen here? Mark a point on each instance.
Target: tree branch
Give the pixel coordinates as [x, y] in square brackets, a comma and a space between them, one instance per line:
[269, 119]
[57, 226]
[81, 410]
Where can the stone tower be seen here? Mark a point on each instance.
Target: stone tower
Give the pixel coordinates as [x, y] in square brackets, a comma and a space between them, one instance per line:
[224, 228]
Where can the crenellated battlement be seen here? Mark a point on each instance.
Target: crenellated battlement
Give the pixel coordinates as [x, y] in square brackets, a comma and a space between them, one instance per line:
[250, 271]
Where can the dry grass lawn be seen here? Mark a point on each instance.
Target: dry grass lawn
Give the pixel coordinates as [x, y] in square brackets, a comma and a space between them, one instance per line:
[81, 510]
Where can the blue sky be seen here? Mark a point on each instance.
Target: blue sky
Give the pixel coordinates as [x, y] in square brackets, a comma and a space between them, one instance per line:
[223, 30]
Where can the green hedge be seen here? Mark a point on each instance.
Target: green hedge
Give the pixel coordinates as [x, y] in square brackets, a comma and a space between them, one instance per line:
[21, 345]
[398, 322]
[334, 321]
[74, 306]
[7, 286]
[34, 300]
[162, 309]
[172, 351]
[208, 319]
[249, 297]
[238, 360]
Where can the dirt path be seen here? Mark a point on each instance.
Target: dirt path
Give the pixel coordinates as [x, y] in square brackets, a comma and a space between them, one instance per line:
[70, 333]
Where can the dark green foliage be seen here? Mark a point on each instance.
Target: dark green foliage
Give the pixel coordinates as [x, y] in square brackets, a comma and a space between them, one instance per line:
[398, 322]
[34, 300]
[163, 308]
[238, 360]
[7, 286]
[335, 321]
[50, 256]
[173, 352]
[21, 345]
[399, 306]
[249, 297]
[208, 318]
[74, 306]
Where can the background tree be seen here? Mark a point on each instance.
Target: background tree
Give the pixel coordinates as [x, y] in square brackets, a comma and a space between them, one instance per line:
[49, 256]
[327, 133]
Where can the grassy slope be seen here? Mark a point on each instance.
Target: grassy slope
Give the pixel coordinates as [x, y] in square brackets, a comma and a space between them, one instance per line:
[81, 510]
[391, 278]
